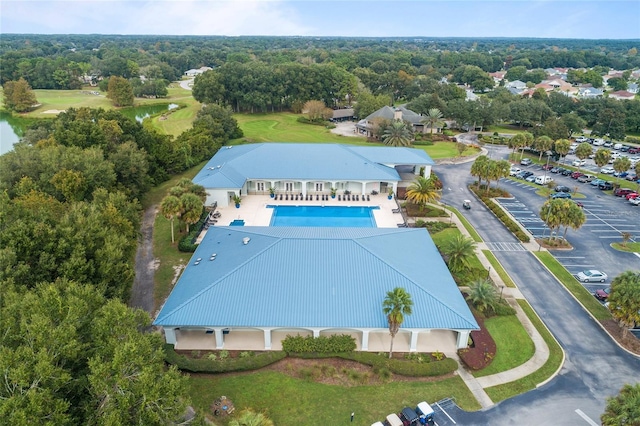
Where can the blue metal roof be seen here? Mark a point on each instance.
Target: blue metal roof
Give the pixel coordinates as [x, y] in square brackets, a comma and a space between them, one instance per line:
[314, 277]
[233, 165]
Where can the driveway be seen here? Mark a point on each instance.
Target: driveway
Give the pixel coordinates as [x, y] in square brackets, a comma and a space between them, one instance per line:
[595, 367]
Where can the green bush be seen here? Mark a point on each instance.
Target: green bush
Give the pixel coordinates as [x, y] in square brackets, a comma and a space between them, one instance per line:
[632, 139]
[222, 365]
[325, 345]
[504, 218]
[403, 367]
[423, 143]
[319, 122]
[503, 309]
[187, 242]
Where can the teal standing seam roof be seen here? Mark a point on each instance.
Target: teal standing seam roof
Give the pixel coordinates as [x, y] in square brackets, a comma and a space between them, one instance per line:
[313, 277]
[233, 165]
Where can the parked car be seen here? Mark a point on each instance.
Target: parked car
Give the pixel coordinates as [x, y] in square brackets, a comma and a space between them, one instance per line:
[526, 162]
[586, 178]
[524, 174]
[409, 417]
[547, 167]
[635, 201]
[598, 142]
[562, 188]
[514, 171]
[622, 192]
[579, 204]
[596, 182]
[625, 148]
[578, 163]
[543, 180]
[634, 150]
[632, 195]
[556, 169]
[602, 294]
[566, 172]
[607, 170]
[631, 177]
[621, 174]
[576, 175]
[531, 178]
[605, 186]
[425, 412]
[608, 144]
[560, 195]
[581, 139]
[617, 146]
[591, 275]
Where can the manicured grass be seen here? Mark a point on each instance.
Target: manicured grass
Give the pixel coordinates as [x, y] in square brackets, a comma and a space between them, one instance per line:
[63, 99]
[505, 128]
[514, 347]
[474, 234]
[499, 269]
[508, 390]
[290, 401]
[631, 247]
[574, 286]
[182, 119]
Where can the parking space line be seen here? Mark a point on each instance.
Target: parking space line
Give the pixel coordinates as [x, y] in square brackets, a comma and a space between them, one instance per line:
[447, 414]
[586, 418]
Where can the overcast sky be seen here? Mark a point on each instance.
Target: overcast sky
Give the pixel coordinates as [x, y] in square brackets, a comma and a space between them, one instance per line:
[514, 18]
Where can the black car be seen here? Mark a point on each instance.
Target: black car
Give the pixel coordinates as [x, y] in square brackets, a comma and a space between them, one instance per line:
[605, 186]
[556, 170]
[566, 172]
[562, 188]
[560, 195]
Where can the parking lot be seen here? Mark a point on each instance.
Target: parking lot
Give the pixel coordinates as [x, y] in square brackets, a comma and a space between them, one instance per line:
[607, 218]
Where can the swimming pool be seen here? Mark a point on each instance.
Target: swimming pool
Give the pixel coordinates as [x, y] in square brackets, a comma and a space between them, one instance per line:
[329, 216]
[237, 222]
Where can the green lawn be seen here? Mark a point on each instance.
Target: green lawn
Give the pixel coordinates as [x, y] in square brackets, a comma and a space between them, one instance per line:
[574, 286]
[508, 390]
[499, 269]
[514, 347]
[505, 129]
[630, 247]
[180, 120]
[290, 401]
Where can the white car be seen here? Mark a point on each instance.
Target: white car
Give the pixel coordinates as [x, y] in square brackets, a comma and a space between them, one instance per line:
[635, 201]
[581, 139]
[514, 171]
[578, 163]
[598, 142]
[607, 170]
[591, 275]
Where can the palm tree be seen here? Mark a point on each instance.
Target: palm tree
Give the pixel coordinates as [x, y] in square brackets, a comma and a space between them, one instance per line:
[171, 208]
[621, 164]
[583, 151]
[395, 306]
[479, 168]
[397, 134]
[552, 214]
[543, 144]
[602, 157]
[483, 295]
[433, 118]
[626, 236]
[624, 300]
[250, 418]
[517, 142]
[623, 409]
[575, 217]
[498, 170]
[191, 208]
[562, 147]
[422, 191]
[458, 252]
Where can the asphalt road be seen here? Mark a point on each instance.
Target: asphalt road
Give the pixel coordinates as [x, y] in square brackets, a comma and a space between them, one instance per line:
[595, 367]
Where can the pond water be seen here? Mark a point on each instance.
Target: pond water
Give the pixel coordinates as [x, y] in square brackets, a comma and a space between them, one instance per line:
[12, 128]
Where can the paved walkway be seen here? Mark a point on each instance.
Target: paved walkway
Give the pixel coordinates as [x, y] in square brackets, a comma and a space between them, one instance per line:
[511, 295]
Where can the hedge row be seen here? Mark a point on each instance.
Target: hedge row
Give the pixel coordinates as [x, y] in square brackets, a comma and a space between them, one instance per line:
[333, 344]
[227, 365]
[404, 367]
[187, 242]
[505, 219]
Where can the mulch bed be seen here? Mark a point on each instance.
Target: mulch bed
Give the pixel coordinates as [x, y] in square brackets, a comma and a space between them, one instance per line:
[483, 350]
[629, 342]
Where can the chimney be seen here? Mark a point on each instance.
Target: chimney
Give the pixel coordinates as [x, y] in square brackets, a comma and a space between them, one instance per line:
[397, 114]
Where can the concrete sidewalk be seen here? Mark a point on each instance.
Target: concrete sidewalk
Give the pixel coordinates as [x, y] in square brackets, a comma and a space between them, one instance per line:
[511, 295]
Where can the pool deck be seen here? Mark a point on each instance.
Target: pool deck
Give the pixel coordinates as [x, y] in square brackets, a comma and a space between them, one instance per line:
[254, 212]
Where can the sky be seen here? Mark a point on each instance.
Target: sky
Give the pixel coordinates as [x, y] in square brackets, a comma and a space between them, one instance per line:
[361, 18]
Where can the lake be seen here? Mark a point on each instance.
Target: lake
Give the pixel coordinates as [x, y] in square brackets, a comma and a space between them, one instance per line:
[12, 128]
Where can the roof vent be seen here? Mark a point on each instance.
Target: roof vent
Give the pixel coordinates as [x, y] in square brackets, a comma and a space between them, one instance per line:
[213, 256]
[229, 147]
[197, 262]
[246, 240]
[218, 166]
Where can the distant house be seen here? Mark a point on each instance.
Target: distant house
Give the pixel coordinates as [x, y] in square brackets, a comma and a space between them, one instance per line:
[516, 87]
[366, 126]
[195, 72]
[497, 76]
[471, 96]
[589, 92]
[622, 95]
[342, 114]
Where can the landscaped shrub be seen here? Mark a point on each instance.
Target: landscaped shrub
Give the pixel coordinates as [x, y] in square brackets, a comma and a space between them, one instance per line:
[207, 365]
[403, 367]
[187, 242]
[502, 216]
[435, 227]
[503, 309]
[322, 345]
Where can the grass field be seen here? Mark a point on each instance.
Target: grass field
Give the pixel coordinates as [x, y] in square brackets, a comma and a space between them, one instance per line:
[290, 401]
[508, 390]
[630, 247]
[514, 347]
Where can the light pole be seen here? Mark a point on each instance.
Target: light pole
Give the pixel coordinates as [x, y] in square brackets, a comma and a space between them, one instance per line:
[501, 290]
[545, 228]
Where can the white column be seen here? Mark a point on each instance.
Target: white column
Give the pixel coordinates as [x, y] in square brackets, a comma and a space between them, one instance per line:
[414, 341]
[394, 185]
[267, 339]
[219, 338]
[416, 170]
[170, 335]
[365, 340]
[364, 187]
[316, 333]
[304, 188]
[463, 339]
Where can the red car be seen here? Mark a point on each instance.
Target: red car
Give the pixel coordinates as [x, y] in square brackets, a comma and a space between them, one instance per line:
[634, 150]
[632, 195]
[576, 175]
[547, 167]
[622, 192]
[602, 294]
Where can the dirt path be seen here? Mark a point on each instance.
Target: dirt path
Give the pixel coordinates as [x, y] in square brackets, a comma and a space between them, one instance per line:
[146, 265]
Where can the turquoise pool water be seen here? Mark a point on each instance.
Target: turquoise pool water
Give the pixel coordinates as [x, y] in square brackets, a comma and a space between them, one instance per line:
[237, 222]
[330, 216]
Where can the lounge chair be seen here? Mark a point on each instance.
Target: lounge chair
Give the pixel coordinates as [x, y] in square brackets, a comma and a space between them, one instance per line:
[317, 197]
[286, 197]
[368, 199]
[280, 197]
[339, 197]
[402, 225]
[396, 210]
